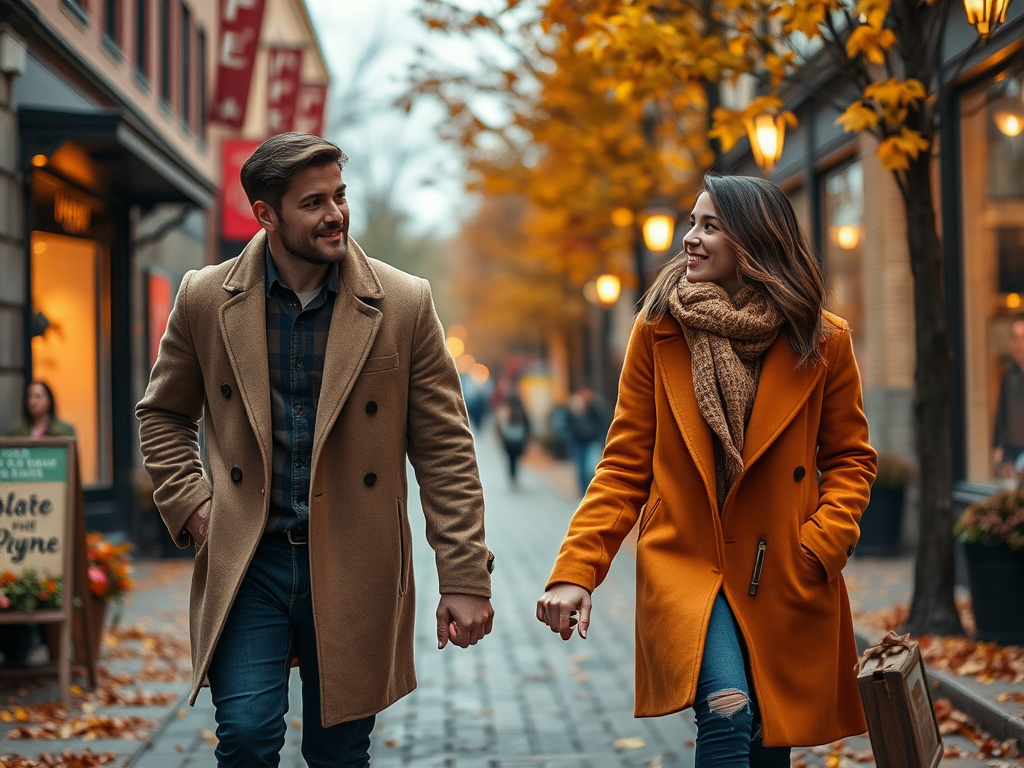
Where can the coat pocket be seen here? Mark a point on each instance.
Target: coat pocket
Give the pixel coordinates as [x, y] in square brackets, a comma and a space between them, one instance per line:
[755, 577]
[384, 363]
[648, 514]
[405, 553]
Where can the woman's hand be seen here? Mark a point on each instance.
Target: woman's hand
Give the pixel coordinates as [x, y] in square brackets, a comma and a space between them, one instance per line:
[563, 607]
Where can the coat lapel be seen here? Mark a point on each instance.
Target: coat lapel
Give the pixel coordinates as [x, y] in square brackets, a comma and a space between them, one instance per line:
[243, 326]
[354, 327]
[674, 362]
[782, 391]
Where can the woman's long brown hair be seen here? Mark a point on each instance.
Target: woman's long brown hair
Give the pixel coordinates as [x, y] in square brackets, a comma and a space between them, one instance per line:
[772, 256]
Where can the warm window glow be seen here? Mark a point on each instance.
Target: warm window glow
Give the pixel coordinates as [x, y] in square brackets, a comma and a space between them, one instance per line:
[658, 230]
[608, 288]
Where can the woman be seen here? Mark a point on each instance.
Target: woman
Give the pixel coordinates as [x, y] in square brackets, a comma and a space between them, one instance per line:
[39, 415]
[740, 443]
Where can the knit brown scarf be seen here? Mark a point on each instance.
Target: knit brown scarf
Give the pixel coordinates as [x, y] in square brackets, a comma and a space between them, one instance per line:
[727, 338]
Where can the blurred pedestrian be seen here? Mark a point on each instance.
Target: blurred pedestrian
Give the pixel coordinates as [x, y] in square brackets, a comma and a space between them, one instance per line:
[741, 446]
[514, 432]
[329, 369]
[585, 426]
[39, 414]
[1008, 434]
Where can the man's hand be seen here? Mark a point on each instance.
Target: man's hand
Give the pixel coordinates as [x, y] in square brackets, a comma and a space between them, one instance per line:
[198, 523]
[463, 619]
[560, 606]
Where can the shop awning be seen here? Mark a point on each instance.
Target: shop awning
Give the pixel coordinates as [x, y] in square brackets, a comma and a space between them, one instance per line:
[129, 164]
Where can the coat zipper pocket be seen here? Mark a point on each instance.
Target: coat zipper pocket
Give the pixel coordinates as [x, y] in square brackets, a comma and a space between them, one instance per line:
[755, 580]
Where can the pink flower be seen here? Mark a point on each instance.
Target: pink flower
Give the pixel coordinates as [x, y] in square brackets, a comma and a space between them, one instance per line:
[98, 577]
[4, 601]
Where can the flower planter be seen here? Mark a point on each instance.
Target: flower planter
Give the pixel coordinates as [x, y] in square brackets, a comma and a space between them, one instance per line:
[996, 575]
[882, 523]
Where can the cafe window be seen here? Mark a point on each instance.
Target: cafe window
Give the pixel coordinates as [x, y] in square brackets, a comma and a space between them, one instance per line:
[842, 247]
[71, 316]
[992, 156]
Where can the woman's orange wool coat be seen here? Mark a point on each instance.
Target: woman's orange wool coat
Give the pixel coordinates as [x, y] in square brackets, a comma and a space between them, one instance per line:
[808, 469]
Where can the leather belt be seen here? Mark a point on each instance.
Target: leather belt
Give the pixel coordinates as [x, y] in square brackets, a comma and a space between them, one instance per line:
[297, 535]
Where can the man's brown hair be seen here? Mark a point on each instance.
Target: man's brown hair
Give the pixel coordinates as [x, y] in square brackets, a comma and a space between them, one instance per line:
[267, 174]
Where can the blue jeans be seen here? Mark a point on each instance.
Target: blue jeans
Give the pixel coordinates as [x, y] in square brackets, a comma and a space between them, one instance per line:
[270, 621]
[728, 722]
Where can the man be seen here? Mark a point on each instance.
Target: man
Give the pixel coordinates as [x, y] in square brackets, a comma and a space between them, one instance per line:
[1008, 437]
[316, 371]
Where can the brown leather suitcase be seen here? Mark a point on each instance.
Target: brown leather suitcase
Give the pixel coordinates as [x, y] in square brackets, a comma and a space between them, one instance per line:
[894, 687]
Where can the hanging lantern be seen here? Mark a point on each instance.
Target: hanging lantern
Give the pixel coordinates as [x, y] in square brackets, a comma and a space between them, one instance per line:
[847, 236]
[658, 228]
[1008, 110]
[986, 15]
[767, 133]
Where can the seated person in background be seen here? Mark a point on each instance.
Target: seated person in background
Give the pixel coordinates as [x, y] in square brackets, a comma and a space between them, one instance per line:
[39, 415]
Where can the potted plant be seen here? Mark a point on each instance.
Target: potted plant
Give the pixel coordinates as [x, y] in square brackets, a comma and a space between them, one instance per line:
[882, 522]
[108, 568]
[992, 534]
[25, 592]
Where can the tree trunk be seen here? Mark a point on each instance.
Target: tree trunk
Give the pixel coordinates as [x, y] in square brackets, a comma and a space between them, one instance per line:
[932, 609]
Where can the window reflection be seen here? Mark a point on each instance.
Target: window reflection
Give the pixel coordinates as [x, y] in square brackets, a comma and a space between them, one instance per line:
[843, 209]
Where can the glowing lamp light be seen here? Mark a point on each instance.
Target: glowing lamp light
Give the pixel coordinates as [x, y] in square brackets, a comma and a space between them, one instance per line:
[767, 134]
[459, 332]
[456, 346]
[659, 226]
[608, 288]
[986, 15]
[847, 236]
[622, 217]
[1008, 115]
[39, 160]
[1013, 301]
[479, 373]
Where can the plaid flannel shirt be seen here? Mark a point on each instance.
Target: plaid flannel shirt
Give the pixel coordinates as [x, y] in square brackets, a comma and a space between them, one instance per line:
[296, 344]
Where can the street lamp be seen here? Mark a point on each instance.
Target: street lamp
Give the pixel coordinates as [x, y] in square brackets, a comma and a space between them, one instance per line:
[767, 134]
[607, 288]
[658, 228]
[986, 15]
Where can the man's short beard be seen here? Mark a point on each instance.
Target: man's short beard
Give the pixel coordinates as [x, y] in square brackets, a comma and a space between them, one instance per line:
[306, 250]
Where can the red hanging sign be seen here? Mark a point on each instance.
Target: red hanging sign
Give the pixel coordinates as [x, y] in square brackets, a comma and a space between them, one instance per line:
[284, 73]
[237, 221]
[240, 22]
[309, 112]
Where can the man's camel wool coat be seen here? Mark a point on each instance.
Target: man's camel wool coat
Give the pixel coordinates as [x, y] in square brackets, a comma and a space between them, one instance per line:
[659, 467]
[390, 389]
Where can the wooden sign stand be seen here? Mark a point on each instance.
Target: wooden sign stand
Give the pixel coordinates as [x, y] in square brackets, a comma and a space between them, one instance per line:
[14, 453]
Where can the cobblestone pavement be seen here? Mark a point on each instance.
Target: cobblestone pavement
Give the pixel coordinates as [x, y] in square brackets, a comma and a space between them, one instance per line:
[520, 699]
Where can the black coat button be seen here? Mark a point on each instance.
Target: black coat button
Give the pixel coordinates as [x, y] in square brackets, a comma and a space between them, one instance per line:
[798, 474]
[371, 407]
[370, 480]
[236, 474]
[225, 390]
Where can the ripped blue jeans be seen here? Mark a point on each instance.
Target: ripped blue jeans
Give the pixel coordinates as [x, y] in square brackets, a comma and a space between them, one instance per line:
[728, 722]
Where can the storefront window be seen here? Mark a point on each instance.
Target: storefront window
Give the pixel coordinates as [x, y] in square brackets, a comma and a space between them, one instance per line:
[992, 153]
[843, 210]
[71, 326]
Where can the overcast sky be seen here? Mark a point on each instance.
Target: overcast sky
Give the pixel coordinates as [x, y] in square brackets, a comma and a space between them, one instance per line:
[388, 143]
